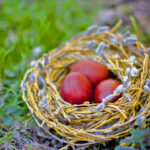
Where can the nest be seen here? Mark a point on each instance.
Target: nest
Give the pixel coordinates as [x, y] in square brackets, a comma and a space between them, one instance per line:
[89, 123]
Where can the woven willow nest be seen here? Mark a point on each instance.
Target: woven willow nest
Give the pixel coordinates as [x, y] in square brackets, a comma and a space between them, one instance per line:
[123, 55]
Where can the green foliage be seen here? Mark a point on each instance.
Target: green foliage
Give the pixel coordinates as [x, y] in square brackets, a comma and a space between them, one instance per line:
[5, 136]
[134, 25]
[146, 38]
[127, 9]
[124, 148]
[140, 138]
[142, 35]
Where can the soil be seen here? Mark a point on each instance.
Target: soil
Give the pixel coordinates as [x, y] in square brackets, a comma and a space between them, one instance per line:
[123, 9]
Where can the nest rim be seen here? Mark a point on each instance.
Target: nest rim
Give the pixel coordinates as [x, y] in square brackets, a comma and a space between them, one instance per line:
[75, 50]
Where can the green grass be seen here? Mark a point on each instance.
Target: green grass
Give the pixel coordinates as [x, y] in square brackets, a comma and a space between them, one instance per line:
[6, 136]
[24, 25]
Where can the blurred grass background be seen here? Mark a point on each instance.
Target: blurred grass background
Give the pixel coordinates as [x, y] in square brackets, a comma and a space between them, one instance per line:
[25, 24]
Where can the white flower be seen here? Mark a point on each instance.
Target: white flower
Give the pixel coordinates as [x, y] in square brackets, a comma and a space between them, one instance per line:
[44, 103]
[100, 107]
[125, 78]
[148, 82]
[134, 72]
[131, 40]
[45, 100]
[101, 47]
[41, 82]
[114, 40]
[32, 76]
[127, 85]
[91, 29]
[91, 43]
[40, 104]
[41, 93]
[139, 120]
[128, 70]
[33, 63]
[36, 52]
[148, 51]
[104, 29]
[147, 88]
[132, 59]
[126, 34]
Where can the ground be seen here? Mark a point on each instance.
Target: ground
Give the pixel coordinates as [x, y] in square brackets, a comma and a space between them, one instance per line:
[28, 24]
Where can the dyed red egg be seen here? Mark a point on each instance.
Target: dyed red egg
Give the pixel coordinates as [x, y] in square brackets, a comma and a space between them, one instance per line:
[76, 88]
[92, 70]
[105, 88]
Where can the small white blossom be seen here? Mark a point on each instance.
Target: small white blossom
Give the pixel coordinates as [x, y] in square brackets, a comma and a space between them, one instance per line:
[91, 43]
[126, 34]
[104, 29]
[132, 59]
[44, 103]
[32, 77]
[147, 88]
[101, 47]
[134, 72]
[119, 34]
[40, 104]
[128, 70]
[36, 52]
[148, 51]
[100, 107]
[131, 40]
[33, 63]
[141, 110]
[41, 82]
[41, 93]
[106, 46]
[114, 40]
[125, 78]
[91, 29]
[142, 50]
[45, 100]
[148, 82]
[139, 120]
[127, 85]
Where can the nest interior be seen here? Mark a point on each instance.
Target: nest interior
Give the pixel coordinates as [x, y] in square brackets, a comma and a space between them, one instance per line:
[86, 122]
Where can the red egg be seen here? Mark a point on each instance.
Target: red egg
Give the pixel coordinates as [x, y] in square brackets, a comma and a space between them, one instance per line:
[105, 88]
[76, 88]
[94, 71]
